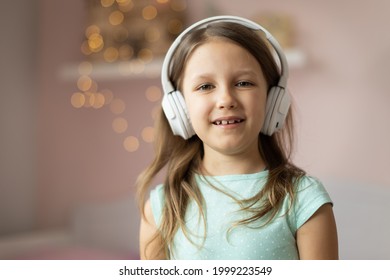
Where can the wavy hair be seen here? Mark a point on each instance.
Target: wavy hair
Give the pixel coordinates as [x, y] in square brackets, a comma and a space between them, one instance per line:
[181, 159]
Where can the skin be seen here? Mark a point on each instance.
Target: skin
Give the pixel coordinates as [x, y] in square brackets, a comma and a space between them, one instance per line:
[223, 82]
[147, 230]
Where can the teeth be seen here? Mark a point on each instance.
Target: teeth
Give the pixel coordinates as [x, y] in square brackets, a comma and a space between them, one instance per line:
[226, 122]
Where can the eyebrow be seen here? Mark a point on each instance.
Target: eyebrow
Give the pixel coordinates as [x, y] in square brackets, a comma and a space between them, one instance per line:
[207, 75]
[247, 71]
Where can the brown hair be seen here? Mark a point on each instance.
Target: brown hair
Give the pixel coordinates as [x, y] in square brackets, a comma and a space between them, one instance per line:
[182, 158]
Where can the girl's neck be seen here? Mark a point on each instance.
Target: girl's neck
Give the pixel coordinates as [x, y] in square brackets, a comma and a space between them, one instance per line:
[217, 164]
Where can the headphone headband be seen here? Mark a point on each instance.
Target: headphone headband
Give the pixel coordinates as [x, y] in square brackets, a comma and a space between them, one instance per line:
[167, 84]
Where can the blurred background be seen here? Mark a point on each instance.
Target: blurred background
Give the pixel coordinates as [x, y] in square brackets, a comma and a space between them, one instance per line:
[80, 88]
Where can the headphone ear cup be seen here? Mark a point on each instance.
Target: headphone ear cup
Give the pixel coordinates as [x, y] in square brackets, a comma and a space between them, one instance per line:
[278, 104]
[175, 110]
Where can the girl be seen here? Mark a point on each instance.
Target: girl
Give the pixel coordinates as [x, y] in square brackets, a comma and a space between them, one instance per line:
[230, 189]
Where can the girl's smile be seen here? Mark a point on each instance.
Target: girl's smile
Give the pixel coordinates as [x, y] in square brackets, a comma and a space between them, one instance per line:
[227, 122]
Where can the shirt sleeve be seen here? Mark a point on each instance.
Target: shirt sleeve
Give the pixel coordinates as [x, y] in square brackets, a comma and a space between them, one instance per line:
[157, 203]
[309, 197]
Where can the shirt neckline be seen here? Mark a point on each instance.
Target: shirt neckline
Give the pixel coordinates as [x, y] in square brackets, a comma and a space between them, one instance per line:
[235, 177]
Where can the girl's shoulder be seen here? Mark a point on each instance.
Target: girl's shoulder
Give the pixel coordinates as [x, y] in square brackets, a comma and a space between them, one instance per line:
[308, 183]
[308, 180]
[310, 195]
[157, 190]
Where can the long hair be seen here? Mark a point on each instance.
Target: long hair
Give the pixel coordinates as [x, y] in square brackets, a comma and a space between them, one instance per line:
[182, 158]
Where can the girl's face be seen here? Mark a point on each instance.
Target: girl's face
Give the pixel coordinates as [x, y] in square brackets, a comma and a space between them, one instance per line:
[225, 92]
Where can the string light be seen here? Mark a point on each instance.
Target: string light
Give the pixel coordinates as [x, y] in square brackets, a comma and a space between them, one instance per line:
[129, 34]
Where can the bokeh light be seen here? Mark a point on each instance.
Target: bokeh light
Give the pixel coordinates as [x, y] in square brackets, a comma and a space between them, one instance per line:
[92, 29]
[131, 144]
[119, 125]
[85, 68]
[124, 2]
[146, 55]
[98, 100]
[148, 134]
[85, 48]
[95, 42]
[116, 18]
[175, 26]
[84, 83]
[153, 93]
[126, 52]
[107, 3]
[117, 106]
[108, 96]
[77, 100]
[178, 5]
[149, 12]
[125, 5]
[111, 54]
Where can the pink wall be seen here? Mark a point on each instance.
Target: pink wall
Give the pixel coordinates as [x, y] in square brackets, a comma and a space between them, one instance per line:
[341, 95]
[81, 158]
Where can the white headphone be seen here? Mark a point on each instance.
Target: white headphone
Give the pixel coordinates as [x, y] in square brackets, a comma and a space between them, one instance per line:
[173, 104]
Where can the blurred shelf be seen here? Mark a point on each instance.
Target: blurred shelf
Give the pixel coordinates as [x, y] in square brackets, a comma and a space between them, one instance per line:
[134, 69]
[137, 69]
[296, 58]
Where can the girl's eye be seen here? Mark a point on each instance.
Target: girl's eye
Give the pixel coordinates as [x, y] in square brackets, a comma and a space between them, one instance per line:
[244, 84]
[205, 87]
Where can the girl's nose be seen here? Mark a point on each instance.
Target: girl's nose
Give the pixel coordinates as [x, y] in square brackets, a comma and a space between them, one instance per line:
[226, 99]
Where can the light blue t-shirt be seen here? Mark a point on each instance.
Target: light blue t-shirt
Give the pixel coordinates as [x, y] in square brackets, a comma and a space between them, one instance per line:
[276, 240]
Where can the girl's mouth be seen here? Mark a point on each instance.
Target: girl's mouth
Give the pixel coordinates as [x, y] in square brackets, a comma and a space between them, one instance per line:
[226, 122]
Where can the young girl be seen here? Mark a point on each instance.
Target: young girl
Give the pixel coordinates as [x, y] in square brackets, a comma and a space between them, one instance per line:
[230, 189]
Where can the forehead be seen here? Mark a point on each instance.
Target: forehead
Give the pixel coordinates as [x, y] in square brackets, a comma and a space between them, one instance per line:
[218, 52]
[213, 42]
